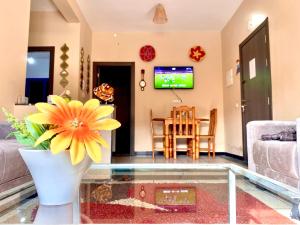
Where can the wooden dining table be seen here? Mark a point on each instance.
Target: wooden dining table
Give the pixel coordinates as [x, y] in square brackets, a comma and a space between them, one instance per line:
[168, 122]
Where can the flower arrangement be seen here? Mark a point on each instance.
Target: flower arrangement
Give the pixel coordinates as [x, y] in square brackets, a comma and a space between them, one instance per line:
[72, 126]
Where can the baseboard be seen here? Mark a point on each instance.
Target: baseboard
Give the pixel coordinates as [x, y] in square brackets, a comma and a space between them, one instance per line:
[234, 156]
[161, 153]
[121, 155]
[147, 153]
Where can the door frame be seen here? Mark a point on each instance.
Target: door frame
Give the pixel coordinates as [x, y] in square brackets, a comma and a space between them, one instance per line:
[132, 94]
[50, 49]
[264, 24]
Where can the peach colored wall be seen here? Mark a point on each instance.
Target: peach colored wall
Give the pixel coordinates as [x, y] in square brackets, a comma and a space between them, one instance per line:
[14, 23]
[51, 29]
[86, 44]
[171, 49]
[284, 23]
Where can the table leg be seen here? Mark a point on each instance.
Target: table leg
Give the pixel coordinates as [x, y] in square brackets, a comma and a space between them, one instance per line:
[166, 141]
[231, 197]
[171, 153]
[190, 146]
[197, 139]
[295, 211]
[76, 209]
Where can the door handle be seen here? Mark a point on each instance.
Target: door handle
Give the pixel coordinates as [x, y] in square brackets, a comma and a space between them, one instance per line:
[243, 107]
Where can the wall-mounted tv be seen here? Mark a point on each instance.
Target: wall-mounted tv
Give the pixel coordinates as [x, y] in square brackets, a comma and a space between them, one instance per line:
[169, 77]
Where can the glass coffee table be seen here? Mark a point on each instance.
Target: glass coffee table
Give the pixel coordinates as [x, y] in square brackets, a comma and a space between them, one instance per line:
[168, 193]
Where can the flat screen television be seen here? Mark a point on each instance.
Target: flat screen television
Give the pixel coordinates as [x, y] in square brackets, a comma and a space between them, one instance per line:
[173, 77]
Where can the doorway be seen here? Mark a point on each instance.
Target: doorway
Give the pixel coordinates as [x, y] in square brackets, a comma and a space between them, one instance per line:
[39, 73]
[120, 76]
[256, 90]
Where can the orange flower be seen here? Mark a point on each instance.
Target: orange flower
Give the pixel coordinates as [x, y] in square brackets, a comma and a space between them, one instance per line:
[76, 127]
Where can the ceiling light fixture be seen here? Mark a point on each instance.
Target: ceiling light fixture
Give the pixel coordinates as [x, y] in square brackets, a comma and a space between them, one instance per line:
[255, 21]
[160, 16]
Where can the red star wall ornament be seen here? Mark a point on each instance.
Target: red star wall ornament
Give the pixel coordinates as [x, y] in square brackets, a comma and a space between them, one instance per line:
[147, 53]
[197, 53]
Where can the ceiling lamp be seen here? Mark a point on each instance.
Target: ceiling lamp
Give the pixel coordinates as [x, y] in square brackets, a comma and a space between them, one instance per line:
[160, 16]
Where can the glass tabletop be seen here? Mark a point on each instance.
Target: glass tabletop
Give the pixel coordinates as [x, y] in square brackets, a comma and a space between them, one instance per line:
[168, 193]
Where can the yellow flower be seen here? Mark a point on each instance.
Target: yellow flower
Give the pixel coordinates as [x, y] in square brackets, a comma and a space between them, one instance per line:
[76, 127]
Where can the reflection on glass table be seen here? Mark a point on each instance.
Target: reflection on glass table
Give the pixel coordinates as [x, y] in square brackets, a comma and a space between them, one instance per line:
[62, 214]
[168, 193]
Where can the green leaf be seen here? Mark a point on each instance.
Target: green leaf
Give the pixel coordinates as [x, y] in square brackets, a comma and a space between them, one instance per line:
[33, 129]
[26, 132]
[24, 140]
[36, 130]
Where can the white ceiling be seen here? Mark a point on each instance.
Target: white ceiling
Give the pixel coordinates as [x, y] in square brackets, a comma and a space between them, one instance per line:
[137, 15]
[42, 5]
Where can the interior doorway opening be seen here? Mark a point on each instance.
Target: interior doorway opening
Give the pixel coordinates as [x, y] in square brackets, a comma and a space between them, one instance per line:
[120, 76]
[39, 74]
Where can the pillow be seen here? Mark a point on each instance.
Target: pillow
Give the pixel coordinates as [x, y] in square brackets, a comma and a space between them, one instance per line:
[286, 135]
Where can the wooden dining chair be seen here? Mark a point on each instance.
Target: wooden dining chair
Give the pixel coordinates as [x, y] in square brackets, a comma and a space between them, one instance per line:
[184, 127]
[210, 137]
[154, 122]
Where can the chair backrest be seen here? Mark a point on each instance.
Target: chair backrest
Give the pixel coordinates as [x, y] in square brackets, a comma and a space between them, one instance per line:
[156, 123]
[184, 121]
[212, 122]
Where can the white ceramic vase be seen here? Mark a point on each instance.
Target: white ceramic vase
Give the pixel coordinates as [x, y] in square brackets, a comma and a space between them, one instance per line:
[56, 179]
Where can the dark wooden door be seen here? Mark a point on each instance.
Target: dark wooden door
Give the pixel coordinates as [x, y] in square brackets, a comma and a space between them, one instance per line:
[256, 92]
[120, 77]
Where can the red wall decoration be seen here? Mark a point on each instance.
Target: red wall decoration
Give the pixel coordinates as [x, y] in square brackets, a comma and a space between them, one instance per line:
[147, 53]
[197, 53]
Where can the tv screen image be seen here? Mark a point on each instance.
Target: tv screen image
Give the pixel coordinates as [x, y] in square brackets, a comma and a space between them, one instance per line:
[181, 77]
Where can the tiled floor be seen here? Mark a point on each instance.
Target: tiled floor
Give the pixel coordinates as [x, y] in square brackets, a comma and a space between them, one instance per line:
[180, 159]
